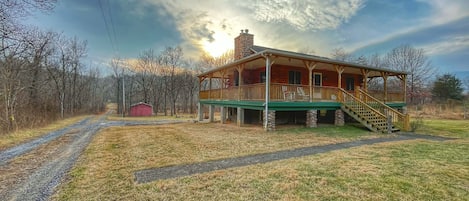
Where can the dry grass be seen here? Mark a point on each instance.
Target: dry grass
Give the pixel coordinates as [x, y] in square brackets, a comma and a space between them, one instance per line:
[23, 135]
[411, 170]
[105, 171]
[117, 117]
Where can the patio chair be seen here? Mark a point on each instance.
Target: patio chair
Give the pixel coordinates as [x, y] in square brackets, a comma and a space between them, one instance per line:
[287, 95]
[302, 93]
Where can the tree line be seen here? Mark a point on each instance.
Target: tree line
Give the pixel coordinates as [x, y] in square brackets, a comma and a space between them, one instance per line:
[422, 84]
[42, 75]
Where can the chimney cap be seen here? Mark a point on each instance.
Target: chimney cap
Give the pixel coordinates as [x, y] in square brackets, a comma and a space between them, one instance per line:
[242, 31]
[246, 30]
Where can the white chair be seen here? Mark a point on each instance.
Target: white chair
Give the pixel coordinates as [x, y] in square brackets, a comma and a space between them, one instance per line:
[302, 93]
[287, 95]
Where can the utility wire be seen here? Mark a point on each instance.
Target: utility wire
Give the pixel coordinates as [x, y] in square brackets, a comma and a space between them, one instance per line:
[107, 27]
[113, 26]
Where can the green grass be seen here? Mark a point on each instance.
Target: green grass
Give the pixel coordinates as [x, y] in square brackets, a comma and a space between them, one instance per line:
[451, 128]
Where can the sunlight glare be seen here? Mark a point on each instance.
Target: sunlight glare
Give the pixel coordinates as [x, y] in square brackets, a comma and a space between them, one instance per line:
[222, 43]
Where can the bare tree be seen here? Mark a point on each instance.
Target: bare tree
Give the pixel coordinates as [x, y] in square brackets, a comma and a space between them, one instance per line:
[409, 59]
[341, 55]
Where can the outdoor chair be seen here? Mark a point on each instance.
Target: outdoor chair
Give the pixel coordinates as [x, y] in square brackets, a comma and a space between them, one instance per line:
[302, 93]
[287, 95]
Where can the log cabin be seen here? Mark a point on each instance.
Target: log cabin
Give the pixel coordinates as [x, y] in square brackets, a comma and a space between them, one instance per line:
[270, 87]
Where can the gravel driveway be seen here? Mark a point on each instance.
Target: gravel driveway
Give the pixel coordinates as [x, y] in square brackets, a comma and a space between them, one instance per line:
[32, 170]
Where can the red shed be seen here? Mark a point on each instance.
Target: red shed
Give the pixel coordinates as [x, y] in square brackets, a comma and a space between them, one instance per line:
[141, 109]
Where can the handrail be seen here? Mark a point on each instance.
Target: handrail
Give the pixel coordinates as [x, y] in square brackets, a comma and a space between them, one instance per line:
[361, 102]
[379, 102]
[404, 118]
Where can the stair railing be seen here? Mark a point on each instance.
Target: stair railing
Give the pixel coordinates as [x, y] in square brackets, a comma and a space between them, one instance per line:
[354, 102]
[398, 119]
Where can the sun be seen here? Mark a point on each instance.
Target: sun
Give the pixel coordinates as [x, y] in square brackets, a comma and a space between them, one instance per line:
[219, 45]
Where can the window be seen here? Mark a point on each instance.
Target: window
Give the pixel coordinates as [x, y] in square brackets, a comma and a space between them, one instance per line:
[262, 77]
[349, 84]
[317, 79]
[294, 77]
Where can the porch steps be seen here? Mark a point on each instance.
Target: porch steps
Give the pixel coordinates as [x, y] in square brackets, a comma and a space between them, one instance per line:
[369, 115]
[369, 119]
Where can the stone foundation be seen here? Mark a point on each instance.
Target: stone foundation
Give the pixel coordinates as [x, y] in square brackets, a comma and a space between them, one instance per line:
[270, 120]
[222, 115]
[200, 112]
[211, 111]
[312, 118]
[339, 118]
[240, 116]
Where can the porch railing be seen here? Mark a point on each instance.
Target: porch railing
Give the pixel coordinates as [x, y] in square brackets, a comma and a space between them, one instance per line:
[288, 92]
[392, 96]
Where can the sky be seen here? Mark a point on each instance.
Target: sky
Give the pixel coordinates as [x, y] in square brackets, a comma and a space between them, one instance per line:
[125, 28]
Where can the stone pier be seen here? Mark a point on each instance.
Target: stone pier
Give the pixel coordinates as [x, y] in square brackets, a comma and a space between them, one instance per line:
[270, 120]
[339, 118]
[312, 118]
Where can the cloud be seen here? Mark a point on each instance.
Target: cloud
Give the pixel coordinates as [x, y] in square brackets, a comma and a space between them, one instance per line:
[306, 15]
[447, 46]
[445, 11]
[203, 22]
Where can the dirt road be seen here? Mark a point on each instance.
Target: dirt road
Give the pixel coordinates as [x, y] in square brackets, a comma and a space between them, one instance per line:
[32, 170]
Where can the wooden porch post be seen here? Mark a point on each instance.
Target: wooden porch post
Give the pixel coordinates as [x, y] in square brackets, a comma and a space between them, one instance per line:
[403, 78]
[268, 67]
[311, 66]
[222, 84]
[365, 74]
[385, 85]
[210, 87]
[240, 69]
[340, 70]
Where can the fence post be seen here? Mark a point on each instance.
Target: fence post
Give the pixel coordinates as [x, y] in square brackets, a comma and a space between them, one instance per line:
[407, 123]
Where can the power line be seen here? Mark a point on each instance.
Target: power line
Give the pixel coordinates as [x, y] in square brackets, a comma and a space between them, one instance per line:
[113, 26]
[107, 26]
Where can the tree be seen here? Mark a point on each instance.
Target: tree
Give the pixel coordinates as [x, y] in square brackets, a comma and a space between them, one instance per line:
[413, 61]
[447, 87]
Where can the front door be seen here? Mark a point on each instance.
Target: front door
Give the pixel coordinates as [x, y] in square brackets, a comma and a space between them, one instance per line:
[317, 80]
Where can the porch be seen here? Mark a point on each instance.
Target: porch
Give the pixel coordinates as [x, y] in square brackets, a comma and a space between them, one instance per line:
[281, 92]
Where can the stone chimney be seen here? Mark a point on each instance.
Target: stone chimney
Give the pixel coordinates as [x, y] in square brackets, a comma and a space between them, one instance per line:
[243, 44]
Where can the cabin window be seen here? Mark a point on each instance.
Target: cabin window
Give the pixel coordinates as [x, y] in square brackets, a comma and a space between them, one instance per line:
[294, 77]
[317, 79]
[349, 84]
[262, 77]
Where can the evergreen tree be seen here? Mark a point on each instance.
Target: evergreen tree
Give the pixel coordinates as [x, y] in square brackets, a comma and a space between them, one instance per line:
[447, 87]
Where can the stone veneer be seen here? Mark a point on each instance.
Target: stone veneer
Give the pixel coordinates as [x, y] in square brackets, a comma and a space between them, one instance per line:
[312, 118]
[243, 44]
[339, 118]
[270, 120]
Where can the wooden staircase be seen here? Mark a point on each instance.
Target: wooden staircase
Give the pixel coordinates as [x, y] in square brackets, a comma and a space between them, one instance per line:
[372, 113]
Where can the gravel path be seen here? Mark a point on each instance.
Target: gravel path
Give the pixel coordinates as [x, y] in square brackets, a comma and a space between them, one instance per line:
[154, 174]
[13, 152]
[40, 181]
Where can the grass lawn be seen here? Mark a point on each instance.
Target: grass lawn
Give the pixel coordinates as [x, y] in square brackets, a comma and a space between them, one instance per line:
[23, 135]
[409, 170]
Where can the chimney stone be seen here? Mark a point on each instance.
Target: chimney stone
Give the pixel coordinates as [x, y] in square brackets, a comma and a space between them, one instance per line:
[243, 44]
